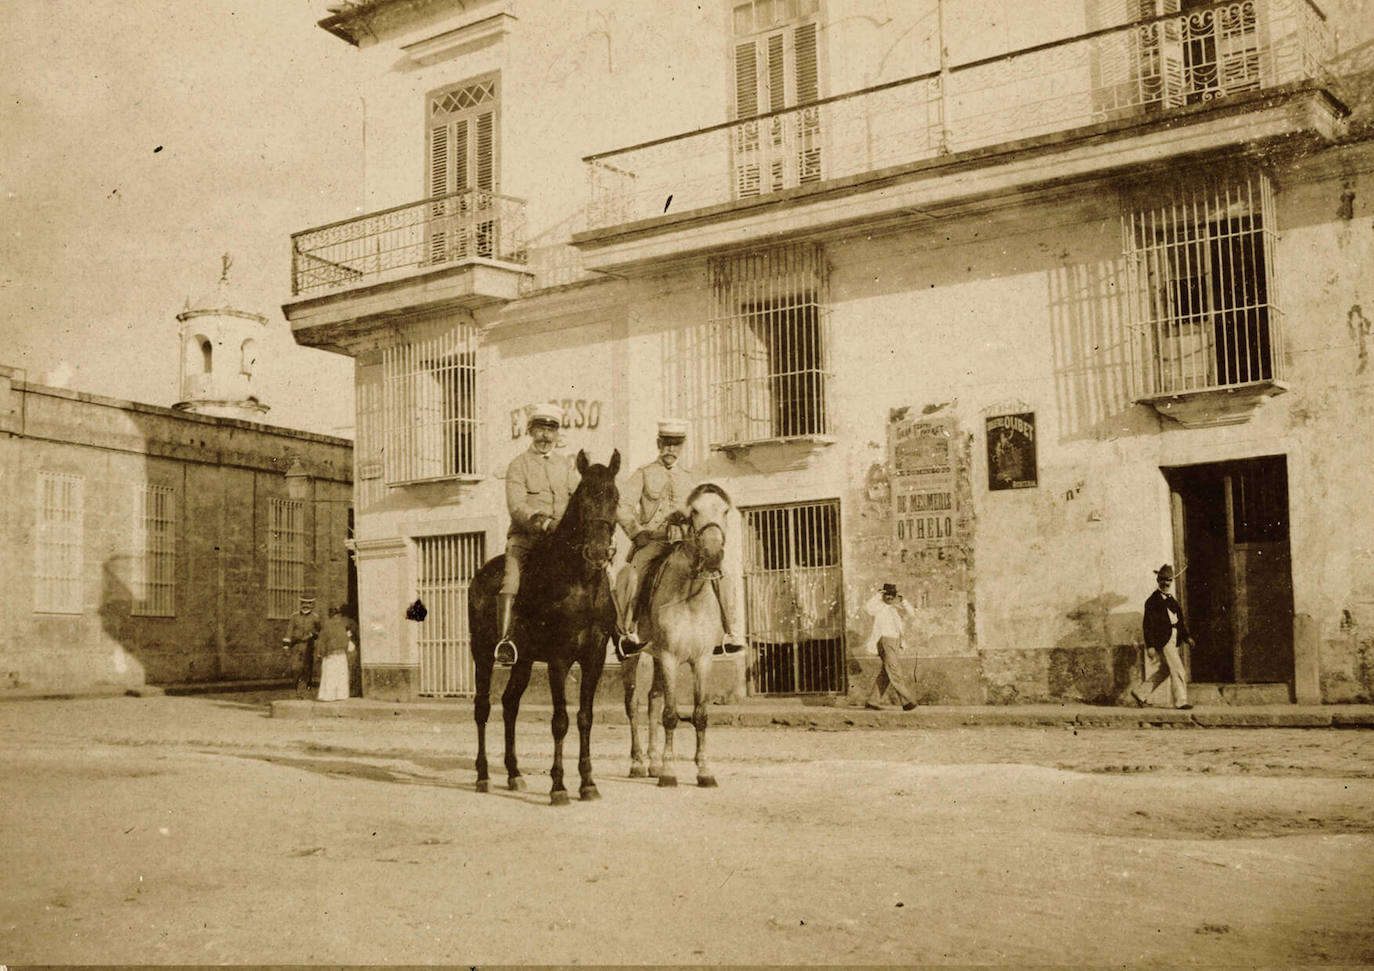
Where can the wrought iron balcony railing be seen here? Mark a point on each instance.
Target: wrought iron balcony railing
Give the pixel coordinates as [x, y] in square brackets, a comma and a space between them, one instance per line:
[442, 230]
[1151, 65]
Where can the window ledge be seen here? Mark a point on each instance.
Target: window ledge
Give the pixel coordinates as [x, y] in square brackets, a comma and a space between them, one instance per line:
[460, 40]
[808, 443]
[1210, 407]
[462, 478]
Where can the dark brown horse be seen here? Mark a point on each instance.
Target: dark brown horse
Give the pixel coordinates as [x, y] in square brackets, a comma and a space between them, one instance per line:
[563, 613]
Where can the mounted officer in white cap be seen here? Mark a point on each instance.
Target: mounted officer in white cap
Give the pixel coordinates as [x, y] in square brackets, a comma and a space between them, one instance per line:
[539, 482]
[653, 513]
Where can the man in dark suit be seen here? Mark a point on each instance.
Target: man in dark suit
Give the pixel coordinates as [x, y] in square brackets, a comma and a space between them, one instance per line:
[1165, 629]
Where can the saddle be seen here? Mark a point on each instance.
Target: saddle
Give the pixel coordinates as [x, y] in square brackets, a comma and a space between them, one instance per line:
[653, 573]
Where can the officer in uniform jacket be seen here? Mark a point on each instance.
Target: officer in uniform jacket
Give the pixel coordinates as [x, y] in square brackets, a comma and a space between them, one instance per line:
[539, 483]
[302, 629]
[653, 512]
[1164, 630]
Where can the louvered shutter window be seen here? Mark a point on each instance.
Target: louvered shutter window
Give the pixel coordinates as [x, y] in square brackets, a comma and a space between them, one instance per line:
[746, 135]
[774, 72]
[463, 172]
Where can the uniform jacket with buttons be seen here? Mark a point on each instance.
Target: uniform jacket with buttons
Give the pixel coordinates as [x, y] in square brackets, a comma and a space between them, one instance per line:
[651, 494]
[303, 628]
[538, 484]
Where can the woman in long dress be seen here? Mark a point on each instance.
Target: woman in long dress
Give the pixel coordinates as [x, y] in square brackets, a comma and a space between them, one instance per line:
[337, 640]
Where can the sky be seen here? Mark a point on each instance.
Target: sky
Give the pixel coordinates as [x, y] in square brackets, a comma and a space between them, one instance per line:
[139, 141]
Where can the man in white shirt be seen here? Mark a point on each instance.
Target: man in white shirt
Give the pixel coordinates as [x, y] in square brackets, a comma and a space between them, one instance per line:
[886, 608]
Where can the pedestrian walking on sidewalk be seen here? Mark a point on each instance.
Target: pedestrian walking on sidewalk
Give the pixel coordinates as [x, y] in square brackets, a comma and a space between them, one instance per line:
[887, 607]
[301, 631]
[1164, 630]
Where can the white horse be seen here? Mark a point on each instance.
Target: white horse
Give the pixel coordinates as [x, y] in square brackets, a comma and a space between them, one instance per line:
[682, 625]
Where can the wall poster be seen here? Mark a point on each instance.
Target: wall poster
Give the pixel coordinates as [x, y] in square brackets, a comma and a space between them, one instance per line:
[1011, 452]
[923, 482]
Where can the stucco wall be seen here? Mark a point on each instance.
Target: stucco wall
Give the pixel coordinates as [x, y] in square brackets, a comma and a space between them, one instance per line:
[222, 473]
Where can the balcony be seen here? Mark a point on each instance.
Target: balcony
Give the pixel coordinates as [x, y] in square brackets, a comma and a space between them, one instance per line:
[1116, 77]
[462, 249]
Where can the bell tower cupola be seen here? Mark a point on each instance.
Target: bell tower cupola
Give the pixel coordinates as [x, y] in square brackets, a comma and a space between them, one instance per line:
[220, 348]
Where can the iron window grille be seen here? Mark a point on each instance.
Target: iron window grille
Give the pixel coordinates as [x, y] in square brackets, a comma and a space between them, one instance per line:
[769, 332]
[430, 404]
[59, 553]
[285, 556]
[794, 594]
[445, 567]
[1200, 277]
[153, 579]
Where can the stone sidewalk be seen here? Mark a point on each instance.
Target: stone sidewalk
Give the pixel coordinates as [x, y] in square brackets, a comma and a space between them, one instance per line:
[823, 714]
[802, 713]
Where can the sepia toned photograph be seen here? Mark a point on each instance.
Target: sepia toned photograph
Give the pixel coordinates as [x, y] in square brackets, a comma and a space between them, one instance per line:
[715, 483]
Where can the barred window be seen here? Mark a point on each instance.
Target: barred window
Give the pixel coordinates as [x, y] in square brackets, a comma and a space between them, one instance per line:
[429, 402]
[153, 575]
[770, 337]
[285, 556]
[1200, 265]
[445, 566]
[60, 548]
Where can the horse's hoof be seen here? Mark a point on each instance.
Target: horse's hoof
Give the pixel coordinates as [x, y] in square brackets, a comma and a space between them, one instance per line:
[655, 770]
[664, 781]
[706, 781]
[559, 797]
[516, 783]
[589, 793]
[483, 785]
[638, 772]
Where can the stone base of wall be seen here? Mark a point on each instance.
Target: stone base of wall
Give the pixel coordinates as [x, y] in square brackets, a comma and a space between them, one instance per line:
[391, 682]
[939, 680]
[1097, 675]
[725, 684]
[1089, 675]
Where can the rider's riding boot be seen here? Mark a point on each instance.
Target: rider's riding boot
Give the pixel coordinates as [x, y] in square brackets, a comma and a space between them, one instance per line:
[733, 642]
[505, 647]
[627, 642]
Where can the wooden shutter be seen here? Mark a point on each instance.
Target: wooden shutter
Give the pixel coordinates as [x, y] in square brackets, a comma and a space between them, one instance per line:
[807, 66]
[439, 138]
[807, 83]
[746, 136]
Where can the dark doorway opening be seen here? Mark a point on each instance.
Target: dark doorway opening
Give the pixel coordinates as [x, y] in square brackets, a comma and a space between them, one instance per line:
[1231, 545]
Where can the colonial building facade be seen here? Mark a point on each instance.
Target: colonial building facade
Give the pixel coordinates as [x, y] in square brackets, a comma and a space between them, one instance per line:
[1004, 304]
[149, 545]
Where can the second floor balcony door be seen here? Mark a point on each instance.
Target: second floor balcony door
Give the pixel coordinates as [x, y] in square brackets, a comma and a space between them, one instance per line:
[461, 172]
[776, 67]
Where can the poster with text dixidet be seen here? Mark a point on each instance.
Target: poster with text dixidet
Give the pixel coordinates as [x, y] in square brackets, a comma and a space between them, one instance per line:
[1011, 452]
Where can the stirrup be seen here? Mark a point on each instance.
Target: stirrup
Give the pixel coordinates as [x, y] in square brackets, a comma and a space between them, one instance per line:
[627, 645]
[727, 647]
[505, 653]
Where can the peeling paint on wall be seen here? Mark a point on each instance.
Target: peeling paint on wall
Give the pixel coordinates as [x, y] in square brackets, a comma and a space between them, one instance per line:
[1359, 326]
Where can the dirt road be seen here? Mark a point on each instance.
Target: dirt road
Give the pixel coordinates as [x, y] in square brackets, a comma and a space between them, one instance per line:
[197, 830]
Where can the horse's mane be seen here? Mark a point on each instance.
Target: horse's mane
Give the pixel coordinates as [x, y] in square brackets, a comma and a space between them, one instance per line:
[557, 558]
[708, 488]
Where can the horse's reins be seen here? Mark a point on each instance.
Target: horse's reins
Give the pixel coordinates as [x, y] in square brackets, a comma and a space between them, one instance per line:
[698, 579]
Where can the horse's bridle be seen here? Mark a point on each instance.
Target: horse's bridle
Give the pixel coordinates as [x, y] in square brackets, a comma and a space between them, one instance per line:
[697, 571]
[596, 555]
